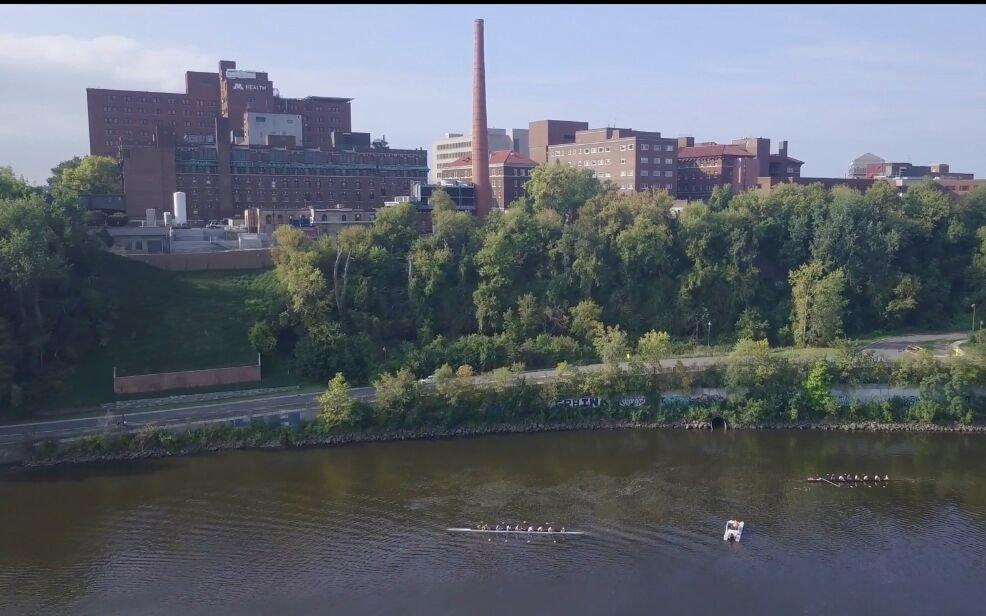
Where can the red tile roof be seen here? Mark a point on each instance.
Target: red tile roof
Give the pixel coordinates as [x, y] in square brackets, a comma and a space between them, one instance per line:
[711, 151]
[499, 157]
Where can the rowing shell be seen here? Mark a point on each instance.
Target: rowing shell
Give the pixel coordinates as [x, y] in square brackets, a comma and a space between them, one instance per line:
[519, 532]
[821, 480]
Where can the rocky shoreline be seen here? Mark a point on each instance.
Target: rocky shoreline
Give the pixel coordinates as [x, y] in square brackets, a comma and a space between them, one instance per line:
[331, 440]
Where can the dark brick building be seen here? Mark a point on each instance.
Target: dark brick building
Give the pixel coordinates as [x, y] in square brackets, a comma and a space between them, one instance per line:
[544, 132]
[741, 164]
[231, 142]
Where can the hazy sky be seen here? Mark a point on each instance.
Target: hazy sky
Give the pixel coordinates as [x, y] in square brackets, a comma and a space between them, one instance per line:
[904, 82]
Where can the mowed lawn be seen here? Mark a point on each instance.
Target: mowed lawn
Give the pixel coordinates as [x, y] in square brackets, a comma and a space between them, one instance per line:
[170, 321]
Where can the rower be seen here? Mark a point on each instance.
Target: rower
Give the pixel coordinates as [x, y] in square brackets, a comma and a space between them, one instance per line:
[866, 477]
[550, 530]
[562, 529]
[841, 478]
[540, 529]
[530, 529]
[498, 527]
[886, 477]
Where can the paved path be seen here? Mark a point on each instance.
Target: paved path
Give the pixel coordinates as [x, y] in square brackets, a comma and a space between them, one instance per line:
[888, 348]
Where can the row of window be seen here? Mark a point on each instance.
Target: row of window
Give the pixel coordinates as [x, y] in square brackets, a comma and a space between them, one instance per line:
[657, 161]
[299, 199]
[657, 174]
[110, 98]
[602, 149]
[284, 183]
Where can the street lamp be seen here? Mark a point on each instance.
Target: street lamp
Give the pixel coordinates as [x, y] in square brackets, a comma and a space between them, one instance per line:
[710, 336]
[973, 318]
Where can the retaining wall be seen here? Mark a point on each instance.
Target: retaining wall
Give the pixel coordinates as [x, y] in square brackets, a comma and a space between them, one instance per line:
[188, 379]
[221, 260]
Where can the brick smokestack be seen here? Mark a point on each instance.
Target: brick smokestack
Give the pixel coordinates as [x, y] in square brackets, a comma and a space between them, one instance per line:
[480, 138]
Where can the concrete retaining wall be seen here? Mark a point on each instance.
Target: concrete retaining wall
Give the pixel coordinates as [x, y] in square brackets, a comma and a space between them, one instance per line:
[188, 379]
[221, 260]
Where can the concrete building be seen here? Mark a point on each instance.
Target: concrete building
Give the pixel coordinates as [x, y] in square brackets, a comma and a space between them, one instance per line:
[632, 160]
[231, 142]
[544, 132]
[704, 166]
[139, 240]
[454, 146]
[509, 172]
[315, 220]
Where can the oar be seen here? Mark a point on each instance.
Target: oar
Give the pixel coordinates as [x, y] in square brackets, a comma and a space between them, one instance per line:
[827, 481]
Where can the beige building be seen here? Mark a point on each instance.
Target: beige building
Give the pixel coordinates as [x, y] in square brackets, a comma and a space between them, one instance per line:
[632, 160]
[446, 151]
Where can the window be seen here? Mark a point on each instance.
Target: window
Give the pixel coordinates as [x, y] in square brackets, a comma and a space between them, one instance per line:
[343, 218]
[645, 173]
[359, 217]
[667, 174]
[623, 148]
[280, 218]
[668, 186]
[325, 217]
[644, 146]
[607, 148]
[644, 160]
[623, 161]
[139, 245]
[630, 146]
[668, 161]
[669, 148]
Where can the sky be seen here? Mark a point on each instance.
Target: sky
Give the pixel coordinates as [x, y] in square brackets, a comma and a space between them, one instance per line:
[905, 82]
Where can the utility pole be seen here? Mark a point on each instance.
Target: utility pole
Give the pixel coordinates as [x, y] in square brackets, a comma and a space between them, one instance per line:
[973, 319]
[710, 336]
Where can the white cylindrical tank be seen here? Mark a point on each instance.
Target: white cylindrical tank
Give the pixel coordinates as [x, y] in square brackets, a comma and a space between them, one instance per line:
[181, 215]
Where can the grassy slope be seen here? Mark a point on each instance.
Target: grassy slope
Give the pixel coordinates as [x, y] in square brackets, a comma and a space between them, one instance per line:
[168, 321]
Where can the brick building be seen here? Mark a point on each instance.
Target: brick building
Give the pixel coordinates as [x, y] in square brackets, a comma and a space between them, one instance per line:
[632, 160]
[231, 142]
[509, 171]
[740, 164]
[544, 132]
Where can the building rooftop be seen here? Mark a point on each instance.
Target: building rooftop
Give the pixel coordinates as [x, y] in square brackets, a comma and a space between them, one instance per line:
[498, 157]
[713, 150]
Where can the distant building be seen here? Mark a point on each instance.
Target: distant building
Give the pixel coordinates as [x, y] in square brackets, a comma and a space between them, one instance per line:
[632, 160]
[857, 168]
[544, 132]
[453, 146]
[907, 170]
[231, 143]
[704, 166]
[509, 171]
[766, 184]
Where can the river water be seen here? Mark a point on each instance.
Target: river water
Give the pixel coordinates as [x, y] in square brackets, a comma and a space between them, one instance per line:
[361, 529]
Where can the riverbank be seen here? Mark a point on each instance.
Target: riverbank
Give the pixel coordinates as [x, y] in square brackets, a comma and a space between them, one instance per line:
[159, 444]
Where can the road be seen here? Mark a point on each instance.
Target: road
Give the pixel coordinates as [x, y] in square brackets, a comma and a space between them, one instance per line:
[293, 405]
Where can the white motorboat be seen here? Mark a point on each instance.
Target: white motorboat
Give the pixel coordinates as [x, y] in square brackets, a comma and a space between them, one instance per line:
[733, 533]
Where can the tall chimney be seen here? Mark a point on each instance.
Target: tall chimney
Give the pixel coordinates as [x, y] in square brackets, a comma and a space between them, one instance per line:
[480, 147]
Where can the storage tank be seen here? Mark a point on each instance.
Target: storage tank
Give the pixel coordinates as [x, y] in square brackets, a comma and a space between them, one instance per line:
[181, 215]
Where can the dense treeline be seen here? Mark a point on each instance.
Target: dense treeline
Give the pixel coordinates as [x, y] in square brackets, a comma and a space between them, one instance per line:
[51, 307]
[580, 272]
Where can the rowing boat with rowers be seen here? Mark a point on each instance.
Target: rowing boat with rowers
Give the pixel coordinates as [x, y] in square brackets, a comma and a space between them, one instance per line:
[518, 532]
[847, 480]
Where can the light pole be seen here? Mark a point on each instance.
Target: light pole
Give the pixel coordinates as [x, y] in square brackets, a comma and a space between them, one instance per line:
[710, 336]
[973, 318]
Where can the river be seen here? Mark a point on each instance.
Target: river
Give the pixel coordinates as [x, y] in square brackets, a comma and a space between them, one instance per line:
[361, 529]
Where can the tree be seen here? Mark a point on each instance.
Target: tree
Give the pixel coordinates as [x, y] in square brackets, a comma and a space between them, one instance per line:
[817, 304]
[751, 326]
[816, 388]
[91, 175]
[335, 404]
[654, 346]
[586, 320]
[11, 185]
[561, 188]
[611, 346]
[262, 337]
